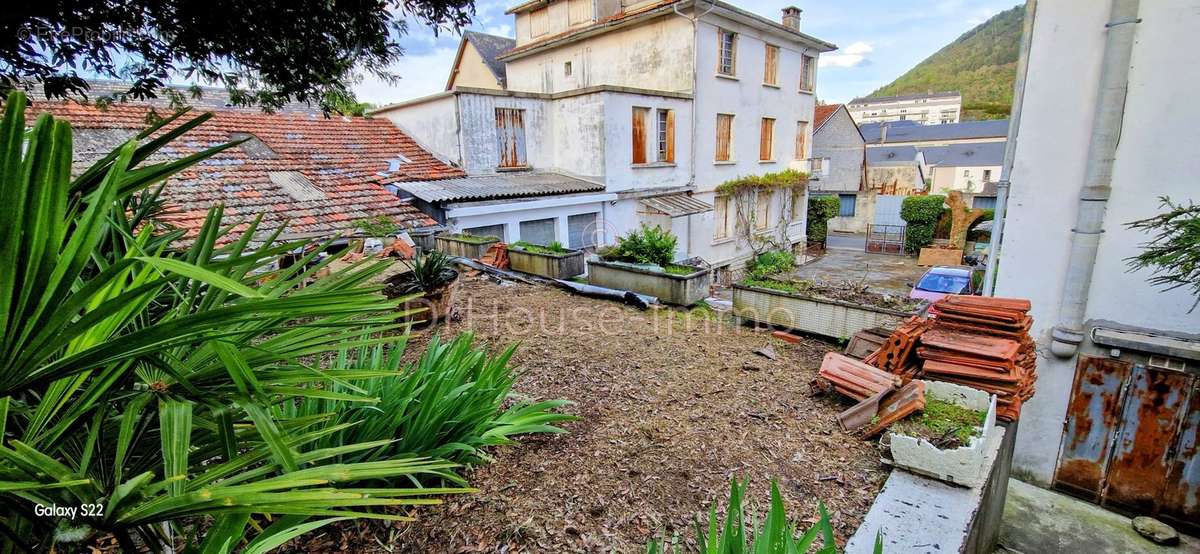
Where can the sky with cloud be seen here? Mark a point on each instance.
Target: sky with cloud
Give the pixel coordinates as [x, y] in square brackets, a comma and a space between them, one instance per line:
[878, 41]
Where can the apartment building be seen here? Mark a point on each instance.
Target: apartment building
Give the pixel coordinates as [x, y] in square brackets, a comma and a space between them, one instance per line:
[934, 108]
[622, 113]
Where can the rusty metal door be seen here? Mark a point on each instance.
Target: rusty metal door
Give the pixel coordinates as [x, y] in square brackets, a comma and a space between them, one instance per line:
[1181, 499]
[1092, 417]
[510, 137]
[1129, 441]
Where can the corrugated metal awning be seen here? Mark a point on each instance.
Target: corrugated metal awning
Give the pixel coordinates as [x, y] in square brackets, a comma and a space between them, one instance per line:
[676, 205]
[503, 185]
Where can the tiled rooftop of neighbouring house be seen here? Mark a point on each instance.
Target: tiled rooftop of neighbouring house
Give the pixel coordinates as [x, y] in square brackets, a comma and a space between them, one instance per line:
[911, 131]
[319, 174]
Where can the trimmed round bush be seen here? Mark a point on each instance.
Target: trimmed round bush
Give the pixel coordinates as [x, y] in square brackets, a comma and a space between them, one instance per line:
[921, 213]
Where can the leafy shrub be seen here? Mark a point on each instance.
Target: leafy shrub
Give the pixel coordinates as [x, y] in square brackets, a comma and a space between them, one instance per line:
[646, 245]
[427, 273]
[821, 209]
[772, 262]
[736, 535]
[921, 213]
[449, 404]
[473, 239]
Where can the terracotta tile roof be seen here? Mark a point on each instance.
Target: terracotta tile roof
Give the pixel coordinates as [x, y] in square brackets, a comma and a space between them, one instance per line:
[318, 174]
[822, 113]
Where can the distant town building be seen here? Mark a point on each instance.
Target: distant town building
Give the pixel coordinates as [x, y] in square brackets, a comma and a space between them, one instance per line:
[477, 63]
[934, 108]
[839, 162]
[907, 132]
[967, 168]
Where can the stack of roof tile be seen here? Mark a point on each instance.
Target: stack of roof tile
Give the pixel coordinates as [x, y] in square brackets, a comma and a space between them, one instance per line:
[856, 379]
[980, 342]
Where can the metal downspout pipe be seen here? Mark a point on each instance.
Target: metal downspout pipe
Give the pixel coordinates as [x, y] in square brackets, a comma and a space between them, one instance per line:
[1097, 184]
[1010, 149]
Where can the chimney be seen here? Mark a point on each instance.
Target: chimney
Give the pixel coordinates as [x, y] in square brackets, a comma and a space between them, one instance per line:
[883, 132]
[791, 18]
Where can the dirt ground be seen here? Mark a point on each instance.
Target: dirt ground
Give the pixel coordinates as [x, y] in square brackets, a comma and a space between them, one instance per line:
[671, 406]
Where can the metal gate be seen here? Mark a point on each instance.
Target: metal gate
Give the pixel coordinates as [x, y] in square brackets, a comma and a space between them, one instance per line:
[1130, 440]
[888, 239]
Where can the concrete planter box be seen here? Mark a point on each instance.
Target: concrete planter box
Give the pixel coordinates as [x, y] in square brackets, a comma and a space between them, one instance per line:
[831, 318]
[965, 465]
[681, 290]
[550, 266]
[452, 246]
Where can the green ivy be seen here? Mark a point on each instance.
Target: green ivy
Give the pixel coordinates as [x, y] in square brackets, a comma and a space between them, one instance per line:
[788, 178]
[821, 209]
[921, 213]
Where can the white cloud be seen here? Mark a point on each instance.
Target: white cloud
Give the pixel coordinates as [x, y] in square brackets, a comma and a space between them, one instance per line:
[502, 30]
[850, 56]
[420, 75]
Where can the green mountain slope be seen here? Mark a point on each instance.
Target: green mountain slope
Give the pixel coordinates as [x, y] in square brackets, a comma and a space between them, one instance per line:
[981, 64]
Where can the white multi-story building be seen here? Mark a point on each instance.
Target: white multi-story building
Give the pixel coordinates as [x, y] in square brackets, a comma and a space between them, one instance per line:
[617, 113]
[934, 108]
[1116, 417]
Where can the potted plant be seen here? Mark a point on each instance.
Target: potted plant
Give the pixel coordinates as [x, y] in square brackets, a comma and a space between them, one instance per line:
[552, 261]
[951, 439]
[641, 262]
[434, 278]
[464, 244]
[770, 294]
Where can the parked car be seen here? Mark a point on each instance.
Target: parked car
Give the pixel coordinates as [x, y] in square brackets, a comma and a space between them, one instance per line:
[942, 280]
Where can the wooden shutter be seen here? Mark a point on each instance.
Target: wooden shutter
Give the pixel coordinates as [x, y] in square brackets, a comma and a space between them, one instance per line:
[724, 136]
[670, 157]
[801, 140]
[766, 139]
[639, 135]
[510, 137]
[771, 65]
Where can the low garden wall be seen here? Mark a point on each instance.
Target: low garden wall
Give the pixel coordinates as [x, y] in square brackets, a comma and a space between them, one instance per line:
[472, 247]
[550, 266]
[681, 290]
[831, 318]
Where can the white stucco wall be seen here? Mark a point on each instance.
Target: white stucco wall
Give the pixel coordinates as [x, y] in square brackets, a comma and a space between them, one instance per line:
[481, 214]
[620, 173]
[655, 55]
[749, 100]
[433, 124]
[477, 113]
[1156, 156]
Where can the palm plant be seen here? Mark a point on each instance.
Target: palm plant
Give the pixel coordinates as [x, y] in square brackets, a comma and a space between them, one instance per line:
[139, 382]
[449, 404]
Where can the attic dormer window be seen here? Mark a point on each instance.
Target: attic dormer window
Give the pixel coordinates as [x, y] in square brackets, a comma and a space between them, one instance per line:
[254, 147]
[296, 185]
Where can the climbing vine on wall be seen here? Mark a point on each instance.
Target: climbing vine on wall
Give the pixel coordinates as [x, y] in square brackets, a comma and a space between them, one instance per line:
[744, 194]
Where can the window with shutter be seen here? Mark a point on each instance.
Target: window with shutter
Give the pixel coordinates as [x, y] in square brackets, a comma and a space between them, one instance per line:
[766, 140]
[639, 134]
[727, 52]
[724, 150]
[801, 140]
[762, 209]
[722, 218]
[666, 136]
[771, 66]
[510, 137]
